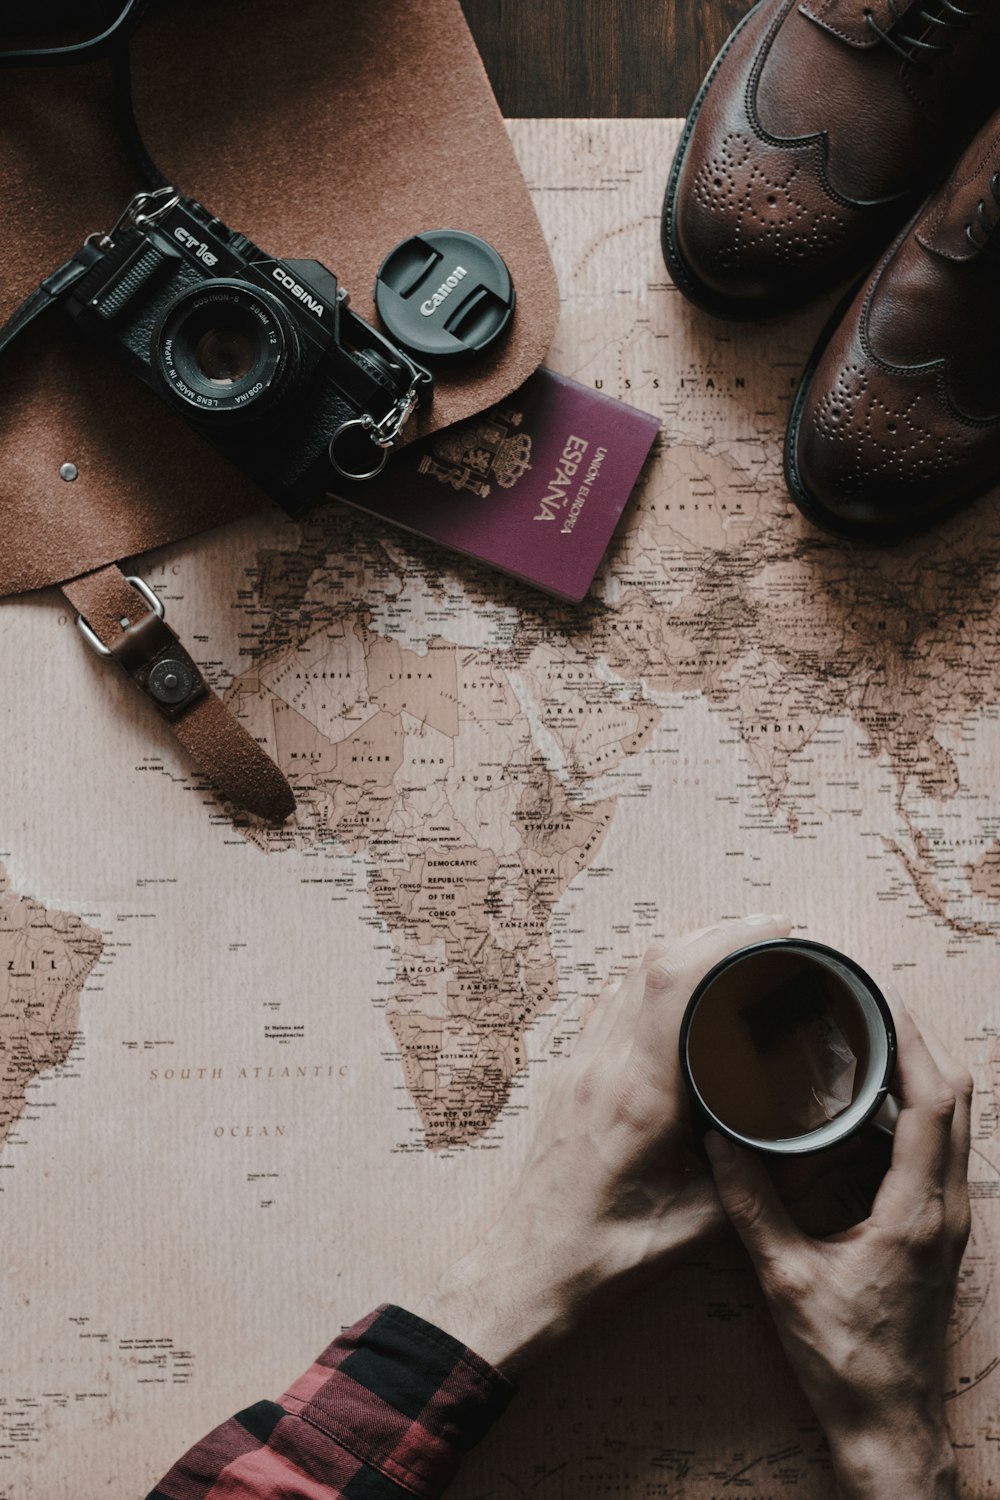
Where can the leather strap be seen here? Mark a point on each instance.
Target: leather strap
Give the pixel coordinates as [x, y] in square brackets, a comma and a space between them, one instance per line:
[120, 29]
[113, 42]
[137, 636]
[49, 294]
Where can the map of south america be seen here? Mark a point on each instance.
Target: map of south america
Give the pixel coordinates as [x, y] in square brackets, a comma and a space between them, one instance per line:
[45, 958]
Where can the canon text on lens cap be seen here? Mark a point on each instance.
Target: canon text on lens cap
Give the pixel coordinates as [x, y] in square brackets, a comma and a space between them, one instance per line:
[445, 294]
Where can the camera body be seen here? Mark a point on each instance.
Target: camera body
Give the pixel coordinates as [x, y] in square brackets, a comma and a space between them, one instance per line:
[262, 356]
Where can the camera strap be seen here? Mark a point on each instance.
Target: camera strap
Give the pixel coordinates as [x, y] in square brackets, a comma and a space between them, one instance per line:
[112, 44]
[128, 14]
[120, 616]
[49, 294]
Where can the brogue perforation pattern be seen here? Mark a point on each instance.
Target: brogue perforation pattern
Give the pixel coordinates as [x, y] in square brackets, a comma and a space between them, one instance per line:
[764, 203]
[891, 436]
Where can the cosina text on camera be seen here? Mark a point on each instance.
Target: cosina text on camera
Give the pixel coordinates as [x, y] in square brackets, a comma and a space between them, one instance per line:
[263, 356]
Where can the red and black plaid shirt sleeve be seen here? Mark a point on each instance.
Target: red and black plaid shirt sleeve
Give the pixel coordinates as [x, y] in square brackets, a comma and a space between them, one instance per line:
[387, 1410]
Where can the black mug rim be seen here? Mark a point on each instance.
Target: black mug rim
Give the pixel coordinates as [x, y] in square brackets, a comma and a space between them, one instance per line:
[706, 1120]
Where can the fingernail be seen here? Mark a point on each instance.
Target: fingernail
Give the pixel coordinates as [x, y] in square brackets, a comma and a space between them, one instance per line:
[721, 1152]
[767, 919]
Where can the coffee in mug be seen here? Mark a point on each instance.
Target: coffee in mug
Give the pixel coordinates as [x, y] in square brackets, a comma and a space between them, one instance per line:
[787, 1046]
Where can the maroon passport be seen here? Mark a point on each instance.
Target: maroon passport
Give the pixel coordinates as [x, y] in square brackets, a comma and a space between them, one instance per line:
[534, 487]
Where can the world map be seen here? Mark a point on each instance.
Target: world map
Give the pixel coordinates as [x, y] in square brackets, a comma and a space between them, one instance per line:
[501, 800]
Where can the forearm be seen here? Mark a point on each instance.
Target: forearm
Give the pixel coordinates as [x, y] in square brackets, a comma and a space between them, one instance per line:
[503, 1306]
[902, 1460]
[542, 1273]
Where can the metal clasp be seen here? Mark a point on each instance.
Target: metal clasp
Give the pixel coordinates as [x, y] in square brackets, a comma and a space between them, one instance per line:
[385, 432]
[136, 215]
[382, 434]
[154, 601]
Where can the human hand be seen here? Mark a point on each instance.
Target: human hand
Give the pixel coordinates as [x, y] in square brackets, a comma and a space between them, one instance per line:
[862, 1315]
[612, 1189]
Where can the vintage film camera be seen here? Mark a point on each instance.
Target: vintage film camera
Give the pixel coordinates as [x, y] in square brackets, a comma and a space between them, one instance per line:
[262, 356]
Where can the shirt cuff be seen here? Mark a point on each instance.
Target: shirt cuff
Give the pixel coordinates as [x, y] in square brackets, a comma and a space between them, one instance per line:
[402, 1396]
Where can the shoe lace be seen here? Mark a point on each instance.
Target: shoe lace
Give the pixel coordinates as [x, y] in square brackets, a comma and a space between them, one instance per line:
[946, 15]
[981, 222]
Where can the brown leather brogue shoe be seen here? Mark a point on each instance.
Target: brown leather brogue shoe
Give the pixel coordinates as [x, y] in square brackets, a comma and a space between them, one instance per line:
[897, 420]
[820, 127]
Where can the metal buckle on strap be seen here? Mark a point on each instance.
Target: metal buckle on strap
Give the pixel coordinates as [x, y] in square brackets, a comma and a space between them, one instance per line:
[155, 603]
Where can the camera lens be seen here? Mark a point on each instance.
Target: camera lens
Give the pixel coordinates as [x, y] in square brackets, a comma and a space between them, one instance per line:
[224, 348]
[225, 355]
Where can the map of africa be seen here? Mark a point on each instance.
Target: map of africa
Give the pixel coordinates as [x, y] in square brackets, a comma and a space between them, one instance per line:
[254, 1082]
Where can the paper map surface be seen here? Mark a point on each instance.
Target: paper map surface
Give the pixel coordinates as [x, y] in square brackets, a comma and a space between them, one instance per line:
[251, 1085]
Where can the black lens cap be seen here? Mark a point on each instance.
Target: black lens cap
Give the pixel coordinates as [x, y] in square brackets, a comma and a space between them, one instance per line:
[445, 294]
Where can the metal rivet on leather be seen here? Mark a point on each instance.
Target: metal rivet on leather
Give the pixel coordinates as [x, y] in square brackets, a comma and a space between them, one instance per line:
[171, 681]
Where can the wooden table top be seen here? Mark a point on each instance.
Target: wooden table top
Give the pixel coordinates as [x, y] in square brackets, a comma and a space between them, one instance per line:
[583, 58]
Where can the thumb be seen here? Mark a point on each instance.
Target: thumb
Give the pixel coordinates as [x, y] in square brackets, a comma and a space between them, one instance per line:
[750, 1200]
